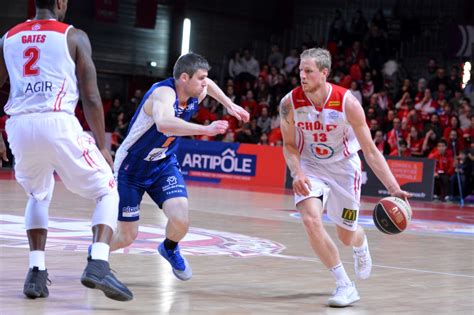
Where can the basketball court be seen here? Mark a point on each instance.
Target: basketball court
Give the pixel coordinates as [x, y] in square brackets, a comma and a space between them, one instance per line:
[249, 255]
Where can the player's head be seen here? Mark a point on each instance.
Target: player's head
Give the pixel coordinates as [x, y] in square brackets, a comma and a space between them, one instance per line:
[191, 69]
[57, 7]
[315, 66]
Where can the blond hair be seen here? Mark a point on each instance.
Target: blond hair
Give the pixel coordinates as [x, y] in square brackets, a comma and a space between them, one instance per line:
[321, 57]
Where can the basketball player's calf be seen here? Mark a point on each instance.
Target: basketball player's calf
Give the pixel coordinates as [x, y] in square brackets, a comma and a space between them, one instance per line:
[36, 223]
[97, 274]
[358, 240]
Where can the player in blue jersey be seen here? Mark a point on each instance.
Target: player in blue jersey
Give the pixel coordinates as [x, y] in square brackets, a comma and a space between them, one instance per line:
[146, 161]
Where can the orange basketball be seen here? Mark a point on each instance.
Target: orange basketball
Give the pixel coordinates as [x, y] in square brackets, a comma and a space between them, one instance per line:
[392, 215]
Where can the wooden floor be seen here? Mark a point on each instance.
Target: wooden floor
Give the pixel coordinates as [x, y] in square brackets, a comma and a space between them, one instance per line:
[249, 255]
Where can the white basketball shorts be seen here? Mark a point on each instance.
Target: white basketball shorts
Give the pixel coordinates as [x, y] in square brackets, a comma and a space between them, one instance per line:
[339, 184]
[46, 142]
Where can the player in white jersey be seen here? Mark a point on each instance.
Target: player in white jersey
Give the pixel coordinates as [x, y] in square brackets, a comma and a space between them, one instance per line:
[49, 63]
[323, 127]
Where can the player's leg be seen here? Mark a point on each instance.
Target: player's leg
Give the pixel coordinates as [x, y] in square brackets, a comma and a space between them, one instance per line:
[169, 192]
[35, 174]
[311, 212]
[84, 171]
[322, 244]
[358, 240]
[131, 195]
[176, 210]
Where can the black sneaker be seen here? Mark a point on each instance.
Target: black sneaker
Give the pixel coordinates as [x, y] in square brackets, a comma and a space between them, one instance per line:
[97, 275]
[35, 283]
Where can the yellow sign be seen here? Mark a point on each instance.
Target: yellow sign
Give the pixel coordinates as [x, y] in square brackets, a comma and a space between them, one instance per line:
[349, 214]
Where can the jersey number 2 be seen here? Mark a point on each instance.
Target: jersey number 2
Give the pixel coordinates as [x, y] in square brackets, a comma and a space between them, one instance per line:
[32, 54]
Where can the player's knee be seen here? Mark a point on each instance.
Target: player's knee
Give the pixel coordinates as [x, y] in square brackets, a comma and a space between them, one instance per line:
[106, 210]
[180, 222]
[312, 222]
[36, 213]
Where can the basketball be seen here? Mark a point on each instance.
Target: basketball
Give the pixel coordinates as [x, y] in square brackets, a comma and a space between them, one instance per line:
[392, 215]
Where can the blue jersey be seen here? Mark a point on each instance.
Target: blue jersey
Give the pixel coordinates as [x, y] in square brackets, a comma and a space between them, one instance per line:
[144, 143]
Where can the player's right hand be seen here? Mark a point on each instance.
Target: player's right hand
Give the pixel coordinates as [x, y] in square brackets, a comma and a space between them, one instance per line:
[3, 152]
[301, 185]
[107, 157]
[217, 127]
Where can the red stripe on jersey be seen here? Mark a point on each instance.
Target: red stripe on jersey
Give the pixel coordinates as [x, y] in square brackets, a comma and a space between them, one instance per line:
[355, 183]
[39, 26]
[302, 140]
[57, 97]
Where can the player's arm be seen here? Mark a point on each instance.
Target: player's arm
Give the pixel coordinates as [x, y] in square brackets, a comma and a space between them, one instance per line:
[160, 106]
[215, 92]
[378, 164]
[301, 184]
[3, 79]
[87, 80]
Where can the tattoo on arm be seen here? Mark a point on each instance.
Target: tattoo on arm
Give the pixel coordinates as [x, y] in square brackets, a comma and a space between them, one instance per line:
[284, 109]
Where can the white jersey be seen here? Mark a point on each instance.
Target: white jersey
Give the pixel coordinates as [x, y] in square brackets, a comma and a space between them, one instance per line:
[41, 70]
[323, 136]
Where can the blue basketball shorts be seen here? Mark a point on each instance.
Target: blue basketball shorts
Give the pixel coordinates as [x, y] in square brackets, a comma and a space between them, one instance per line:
[162, 181]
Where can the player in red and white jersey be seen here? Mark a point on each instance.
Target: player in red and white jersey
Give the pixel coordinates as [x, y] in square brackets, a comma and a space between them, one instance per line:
[49, 63]
[323, 127]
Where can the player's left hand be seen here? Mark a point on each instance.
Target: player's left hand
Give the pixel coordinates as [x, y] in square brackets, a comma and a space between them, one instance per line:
[238, 112]
[107, 157]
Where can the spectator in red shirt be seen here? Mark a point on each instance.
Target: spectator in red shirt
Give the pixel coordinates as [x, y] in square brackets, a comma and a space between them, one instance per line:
[394, 134]
[453, 125]
[250, 102]
[381, 143]
[415, 142]
[402, 149]
[444, 168]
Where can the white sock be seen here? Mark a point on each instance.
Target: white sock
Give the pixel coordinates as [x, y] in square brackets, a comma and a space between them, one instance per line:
[362, 248]
[37, 259]
[339, 273]
[100, 251]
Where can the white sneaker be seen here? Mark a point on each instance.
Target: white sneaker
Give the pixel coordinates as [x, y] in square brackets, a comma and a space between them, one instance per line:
[344, 296]
[362, 263]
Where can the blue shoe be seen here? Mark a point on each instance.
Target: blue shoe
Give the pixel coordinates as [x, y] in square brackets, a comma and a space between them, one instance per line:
[181, 268]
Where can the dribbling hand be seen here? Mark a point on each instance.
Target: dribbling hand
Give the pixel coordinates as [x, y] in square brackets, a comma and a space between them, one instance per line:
[301, 185]
[217, 127]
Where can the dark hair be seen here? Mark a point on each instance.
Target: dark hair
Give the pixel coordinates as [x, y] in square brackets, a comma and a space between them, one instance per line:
[45, 4]
[443, 142]
[190, 63]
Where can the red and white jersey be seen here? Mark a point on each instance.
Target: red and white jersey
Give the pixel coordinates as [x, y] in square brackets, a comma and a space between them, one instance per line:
[41, 70]
[324, 135]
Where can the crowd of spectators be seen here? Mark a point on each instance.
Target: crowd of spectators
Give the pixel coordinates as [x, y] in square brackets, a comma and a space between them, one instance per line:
[425, 114]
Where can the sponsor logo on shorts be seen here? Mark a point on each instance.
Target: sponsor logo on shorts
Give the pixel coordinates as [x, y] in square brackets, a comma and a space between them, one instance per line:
[130, 212]
[349, 216]
[173, 187]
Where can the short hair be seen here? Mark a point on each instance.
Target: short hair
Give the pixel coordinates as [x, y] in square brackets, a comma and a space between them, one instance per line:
[322, 57]
[45, 4]
[442, 141]
[190, 63]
